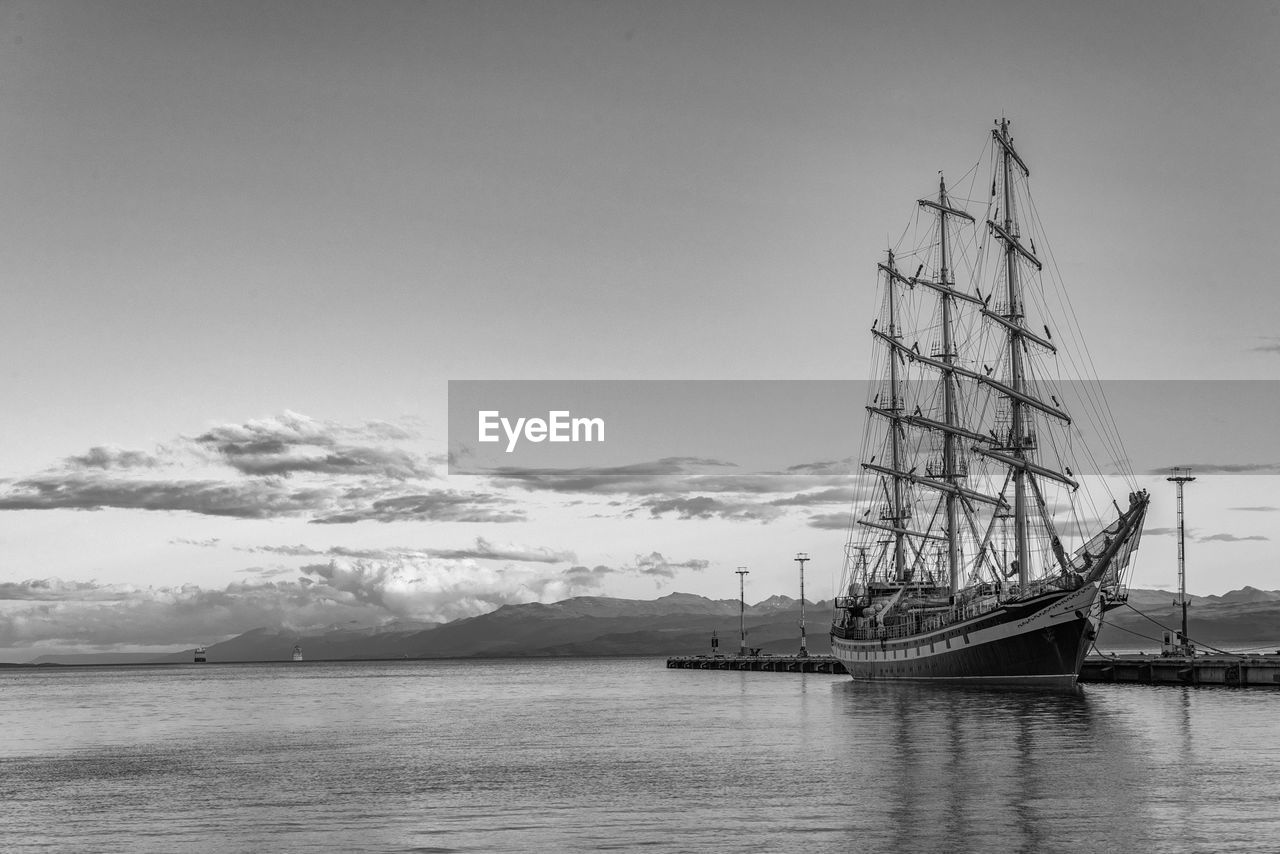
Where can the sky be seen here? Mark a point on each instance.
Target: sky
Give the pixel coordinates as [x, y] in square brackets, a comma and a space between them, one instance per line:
[244, 248]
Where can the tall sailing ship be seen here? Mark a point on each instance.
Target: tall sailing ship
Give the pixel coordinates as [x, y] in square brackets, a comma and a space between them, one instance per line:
[959, 564]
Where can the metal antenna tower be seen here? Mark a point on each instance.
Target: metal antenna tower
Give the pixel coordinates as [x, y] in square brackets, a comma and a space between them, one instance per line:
[1179, 477]
[742, 609]
[801, 557]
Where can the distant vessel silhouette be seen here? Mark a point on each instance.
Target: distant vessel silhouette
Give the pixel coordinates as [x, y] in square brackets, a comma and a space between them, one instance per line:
[297, 652]
[200, 655]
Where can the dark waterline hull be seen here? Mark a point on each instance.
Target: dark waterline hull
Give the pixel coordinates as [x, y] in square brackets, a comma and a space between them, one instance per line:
[1040, 642]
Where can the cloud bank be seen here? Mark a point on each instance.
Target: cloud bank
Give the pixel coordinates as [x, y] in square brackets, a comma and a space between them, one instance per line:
[365, 587]
[481, 549]
[293, 466]
[289, 465]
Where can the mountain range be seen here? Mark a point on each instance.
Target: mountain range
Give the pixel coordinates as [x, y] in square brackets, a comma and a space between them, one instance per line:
[683, 624]
[1242, 619]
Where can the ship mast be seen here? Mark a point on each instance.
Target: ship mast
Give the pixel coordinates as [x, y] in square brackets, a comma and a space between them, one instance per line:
[895, 476]
[899, 518]
[967, 412]
[948, 400]
[1014, 449]
[950, 470]
[1018, 440]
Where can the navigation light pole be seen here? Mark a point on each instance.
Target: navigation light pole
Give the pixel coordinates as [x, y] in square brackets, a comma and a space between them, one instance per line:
[1179, 477]
[801, 557]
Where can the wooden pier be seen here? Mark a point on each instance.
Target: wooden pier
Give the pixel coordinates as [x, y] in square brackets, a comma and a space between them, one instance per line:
[1231, 670]
[775, 663]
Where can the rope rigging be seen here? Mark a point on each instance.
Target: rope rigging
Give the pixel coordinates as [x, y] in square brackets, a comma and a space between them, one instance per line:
[926, 460]
[1161, 625]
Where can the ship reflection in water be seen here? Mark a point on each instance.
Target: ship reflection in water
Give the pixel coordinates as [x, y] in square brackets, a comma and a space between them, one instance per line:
[964, 769]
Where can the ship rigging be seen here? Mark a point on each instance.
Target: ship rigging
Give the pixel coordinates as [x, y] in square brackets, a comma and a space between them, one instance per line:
[972, 461]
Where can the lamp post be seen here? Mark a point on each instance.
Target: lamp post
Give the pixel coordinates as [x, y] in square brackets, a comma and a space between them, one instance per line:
[1179, 477]
[801, 557]
[742, 610]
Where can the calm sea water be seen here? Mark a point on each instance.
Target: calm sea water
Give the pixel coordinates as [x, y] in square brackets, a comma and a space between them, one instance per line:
[595, 755]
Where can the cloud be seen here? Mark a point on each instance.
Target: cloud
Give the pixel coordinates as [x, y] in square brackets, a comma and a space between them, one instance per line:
[681, 487]
[845, 467]
[443, 590]
[441, 505]
[39, 614]
[583, 578]
[706, 507]
[1193, 534]
[1224, 468]
[1261, 509]
[293, 443]
[43, 614]
[105, 457]
[87, 491]
[485, 550]
[285, 466]
[50, 612]
[482, 549]
[844, 495]
[637, 483]
[57, 590]
[750, 506]
[210, 543]
[830, 521]
[265, 572]
[1273, 347]
[655, 564]
[634, 479]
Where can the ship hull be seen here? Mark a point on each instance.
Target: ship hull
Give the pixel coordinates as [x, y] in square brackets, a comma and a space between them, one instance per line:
[1039, 642]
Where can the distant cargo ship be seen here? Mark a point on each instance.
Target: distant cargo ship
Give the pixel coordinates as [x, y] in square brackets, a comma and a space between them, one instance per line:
[297, 652]
[200, 655]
